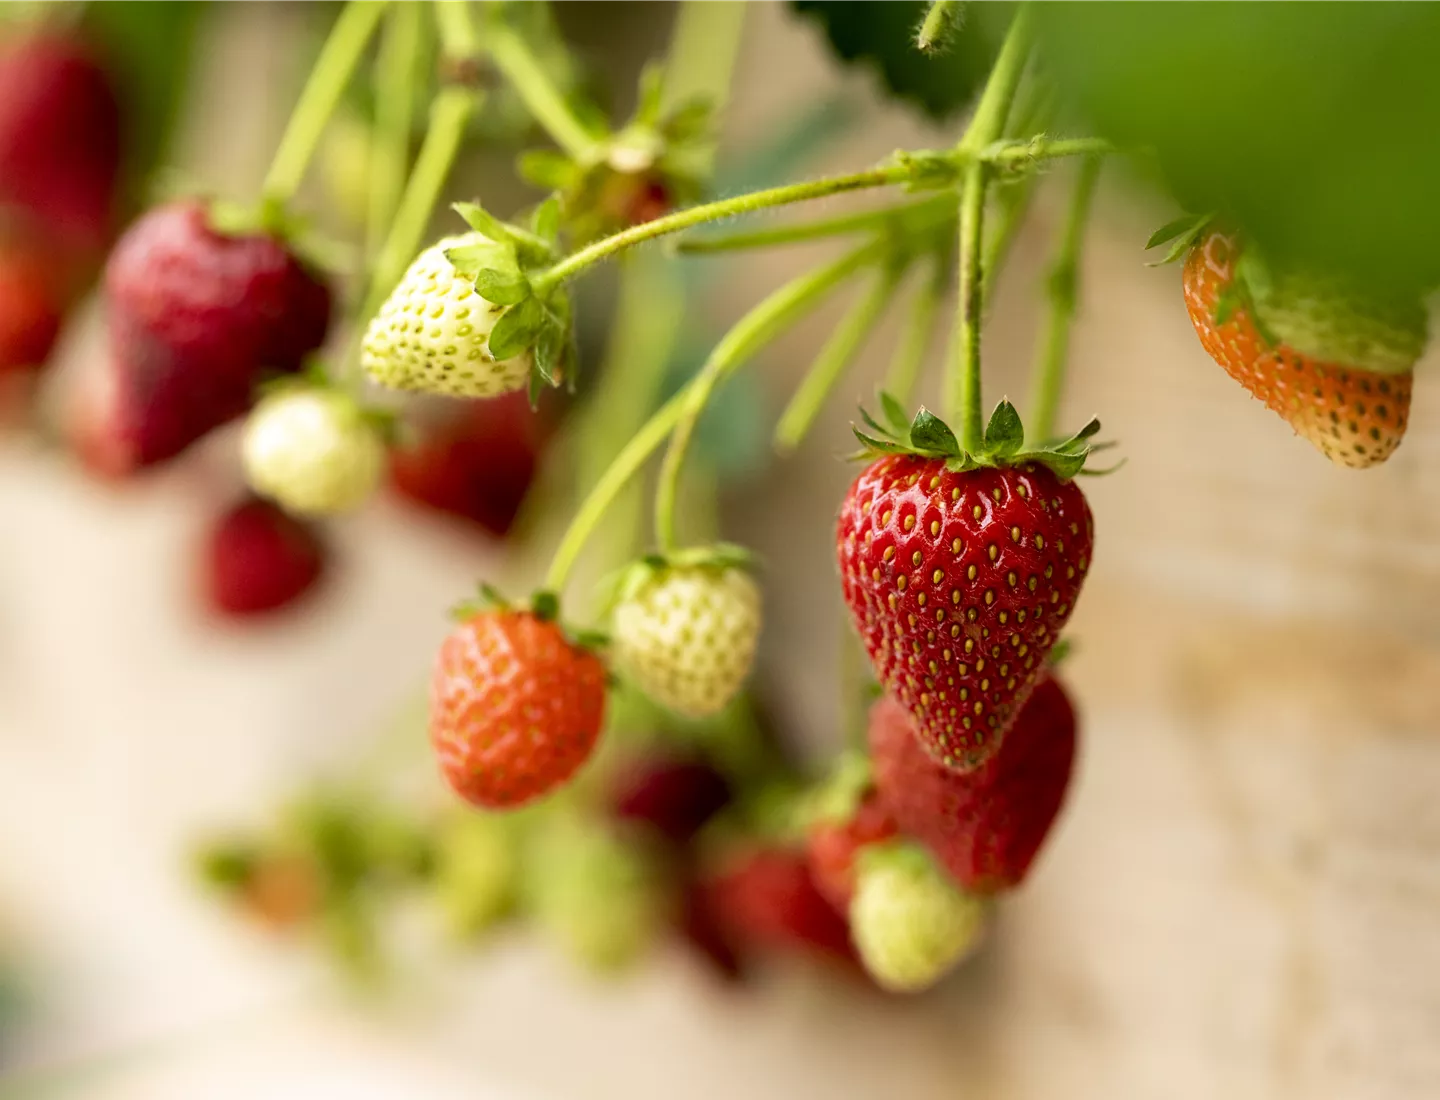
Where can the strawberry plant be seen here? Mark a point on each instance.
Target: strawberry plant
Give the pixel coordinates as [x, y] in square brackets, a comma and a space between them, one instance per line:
[612, 769]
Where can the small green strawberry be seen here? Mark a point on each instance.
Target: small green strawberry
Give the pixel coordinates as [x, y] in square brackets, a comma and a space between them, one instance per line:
[908, 921]
[313, 450]
[477, 869]
[433, 332]
[684, 628]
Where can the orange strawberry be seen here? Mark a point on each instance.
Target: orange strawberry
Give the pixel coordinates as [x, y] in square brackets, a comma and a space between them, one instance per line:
[1334, 365]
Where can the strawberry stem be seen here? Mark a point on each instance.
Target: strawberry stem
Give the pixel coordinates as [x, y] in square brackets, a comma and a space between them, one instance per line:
[904, 218]
[987, 125]
[700, 62]
[1049, 374]
[544, 101]
[333, 69]
[940, 21]
[837, 354]
[397, 70]
[762, 324]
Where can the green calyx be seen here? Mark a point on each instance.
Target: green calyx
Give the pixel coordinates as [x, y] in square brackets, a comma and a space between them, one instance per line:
[543, 604]
[1004, 443]
[499, 261]
[1180, 234]
[717, 557]
[274, 220]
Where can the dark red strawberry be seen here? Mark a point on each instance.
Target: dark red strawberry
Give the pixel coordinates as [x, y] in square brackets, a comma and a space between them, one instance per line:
[984, 826]
[59, 139]
[258, 558]
[476, 463]
[30, 309]
[676, 797]
[699, 926]
[767, 900]
[961, 570]
[832, 847]
[197, 318]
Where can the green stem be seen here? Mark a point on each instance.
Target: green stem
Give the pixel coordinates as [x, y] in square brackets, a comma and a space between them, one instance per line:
[1020, 153]
[1050, 365]
[333, 69]
[908, 216]
[513, 57]
[396, 76]
[758, 326]
[703, 47]
[449, 116]
[909, 359]
[985, 127]
[837, 354]
[939, 20]
[458, 34]
[714, 211]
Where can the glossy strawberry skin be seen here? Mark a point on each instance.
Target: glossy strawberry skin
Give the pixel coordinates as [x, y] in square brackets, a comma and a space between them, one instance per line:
[984, 826]
[59, 139]
[515, 708]
[258, 559]
[1355, 417]
[197, 319]
[766, 900]
[959, 584]
[675, 797]
[477, 465]
[832, 847]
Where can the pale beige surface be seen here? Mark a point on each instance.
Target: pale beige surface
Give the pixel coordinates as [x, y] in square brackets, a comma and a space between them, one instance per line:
[1243, 899]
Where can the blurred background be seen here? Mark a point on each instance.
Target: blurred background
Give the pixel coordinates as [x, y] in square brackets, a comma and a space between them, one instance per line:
[1241, 898]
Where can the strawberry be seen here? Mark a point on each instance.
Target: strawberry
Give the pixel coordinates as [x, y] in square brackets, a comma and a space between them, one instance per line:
[30, 309]
[313, 449]
[1335, 365]
[833, 846]
[909, 922]
[477, 464]
[767, 900]
[197, 318]
[684, 629]
[258, 559]
[699, 926]
[515, 707]
[432, 334]
[675, 797]
[961, 570]
[59, 139]
[984, 826]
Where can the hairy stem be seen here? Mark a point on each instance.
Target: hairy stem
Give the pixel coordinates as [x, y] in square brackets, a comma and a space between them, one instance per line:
[513, 57]
[333, 69]
[908, 217]
[1049, 374]
[939, 21]
[714, 211]
[837, 354]
[397, 72]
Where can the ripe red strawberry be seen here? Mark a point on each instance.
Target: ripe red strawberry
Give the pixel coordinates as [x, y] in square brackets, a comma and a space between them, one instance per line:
[477, 465]
[984, 826]
[833, 845]
[1335, 365]
[515, 707]
[197, 318]
[960, 580]
[767, 900]
[699, 926]
[59, 138]
[258, 559]
[675, 797]
[30, 309]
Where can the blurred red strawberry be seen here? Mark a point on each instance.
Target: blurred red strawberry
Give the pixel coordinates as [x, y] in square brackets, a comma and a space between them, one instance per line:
[199, 317]
[475, 462]
[675, 797]
[30, 308]
[59, 138]
[699, 925]
[767, 900]
[258, 559]
[833, 845]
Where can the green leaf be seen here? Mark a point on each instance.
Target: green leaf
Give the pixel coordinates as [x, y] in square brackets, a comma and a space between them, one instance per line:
[482, 222]
[1181, 227]
[548, 170]
[692, 121]
[878, 429]
[895, 416]
[651, 95]
[590, 639]
[929, 433]
[545, 220]
[549, 351]
[1079, 438]
[1064, 464]
[1004, 435]
[545, 605]
[517, 329]
[881, 446]
[469, 260]
[503, 288]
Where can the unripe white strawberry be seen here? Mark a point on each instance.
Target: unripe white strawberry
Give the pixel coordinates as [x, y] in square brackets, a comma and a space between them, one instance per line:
[313, 451]
[686, 634]
[432, 334]
[908, 920]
